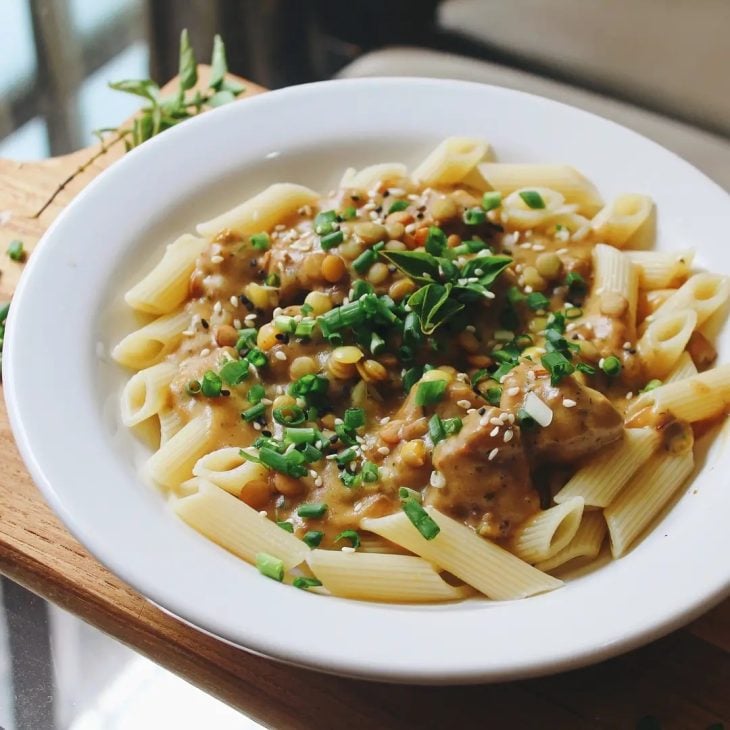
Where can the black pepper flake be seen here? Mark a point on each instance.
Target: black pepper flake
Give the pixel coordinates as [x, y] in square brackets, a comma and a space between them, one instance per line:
[266, 433]
[354, 197]
[482, 410]
[280, 336]
[245, 301]
[205, 323]
[419, 215]
[253, 263]
[334, 438]
[225, 392]
[379, 209]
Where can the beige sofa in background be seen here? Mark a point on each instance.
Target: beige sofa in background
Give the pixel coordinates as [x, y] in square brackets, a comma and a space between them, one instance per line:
[668, 56]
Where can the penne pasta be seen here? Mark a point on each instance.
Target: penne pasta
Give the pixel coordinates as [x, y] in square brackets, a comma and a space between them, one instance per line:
[662, 269]
[616, 284]
[227, 469]
[520, 215]
[664, 340]
[373, 176]
[603, 477]
[451, 161]
[149, 344]
[147, 393]
[647, 492]
[563, 179]
[261, 212]
[170, 423]
[374, 577]
[585, 544]
[549, 531]
[165, 288]
[482, 564]
[238, 528]
[704, 293]
[621, 219]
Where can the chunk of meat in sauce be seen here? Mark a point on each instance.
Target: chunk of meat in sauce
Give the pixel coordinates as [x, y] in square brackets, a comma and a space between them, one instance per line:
[477, 487]
[584, 420]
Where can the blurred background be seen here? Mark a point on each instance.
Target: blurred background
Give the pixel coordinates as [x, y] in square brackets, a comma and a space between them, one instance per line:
[658, 66]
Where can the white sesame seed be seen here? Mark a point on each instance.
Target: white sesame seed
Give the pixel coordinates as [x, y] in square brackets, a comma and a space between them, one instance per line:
[410, 228]
[263, 513]
[508, 436]
[237, 324]
[204, 352]
[484, 421]
[562, 251]
[510, 418]
[384, 450]
[318, 482]
[627, 345]
[338, 421]
[528, 289]
[569, 403]
[490, 294]
[348, 549]
[494, 431]
[600, 362]
[216, 259]
[313, 473]
[538, 247]
[385, 420]
[463, 404]
[495, 421]
[471, 410]
[233, 300]
[266, 401]
[257, 425]
[437, 480]
[280, 355]
[629, 395]
[514, 390]
[493, 453]
[188, 333]
[470, 327]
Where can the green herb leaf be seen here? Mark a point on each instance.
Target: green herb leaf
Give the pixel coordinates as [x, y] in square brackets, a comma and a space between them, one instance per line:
[398, 205]
[435, 241]
[532, 199]
[491, 200]
[313, 538]
[188, 68]
[557, 365]
[418, 265]
[145, 88]
[218, 64]
[221, 97]
[430, 392]
[434, 306]
[537, 301]
[286, 526]
[350, 535]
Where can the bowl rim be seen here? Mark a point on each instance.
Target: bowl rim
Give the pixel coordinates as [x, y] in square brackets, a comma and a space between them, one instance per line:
[22, 422]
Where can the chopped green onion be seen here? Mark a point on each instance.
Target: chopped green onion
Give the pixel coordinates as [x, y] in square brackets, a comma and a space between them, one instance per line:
[193, 387]
[377, 344]
[313, 538]
[573, 313]
[346, 456]
[15, 250]
[491, 200]
[255, 393]
[286, 526]
[411, 377]
[435, 241]
[260, 241]
[354, 418]
[303, 582]
[312, 510]
[525, 420]
[246, 339]
[305, 328]
[468, 247]
[272, 280]
[254, 412]
[408, 493]
[576, 283]
[257, 358]
[364, 261]
[369, 472]
[479, 375]
[532, 199]
[301, 435]
[284, 323]
[331, 240]
[324, 222]
[651, 385]
[398, 205]
[584, 367]
[412, 332]
[474, 216]
[309, 387]
[270, 566]
[350, 535]
[522, 341]
[515, 296]
[360, 288]
[494, 395]
[430, 392]
[350, 480]
[537, 300]
[306, 309]
[347, 214]
[436, 429]
[291, 463]
[211, 384]
[234, 372]
[557, 365]
[420, 519]
[289, 415]
[452, 426]
[344, 434]
[503, 370]
[312, 454]
[611, 365]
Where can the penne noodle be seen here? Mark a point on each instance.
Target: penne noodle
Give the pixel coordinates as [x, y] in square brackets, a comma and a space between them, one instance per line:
[621, 219]
[374, 176]
[616, 284]
[165, 288]
[374, 577]
[585, 544]
[563, 179]
[662, 269]
[451, 161]
[704, 293]
[520, 215]
[549, 531]
[147, 393]
[149, 344]
[664, 340]
[227, 469]
[487, 567]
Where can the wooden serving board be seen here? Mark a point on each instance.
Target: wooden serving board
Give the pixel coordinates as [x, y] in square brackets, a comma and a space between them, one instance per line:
[682, 679]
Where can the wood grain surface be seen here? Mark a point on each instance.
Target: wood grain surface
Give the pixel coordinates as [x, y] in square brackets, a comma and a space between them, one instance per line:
[683, 680]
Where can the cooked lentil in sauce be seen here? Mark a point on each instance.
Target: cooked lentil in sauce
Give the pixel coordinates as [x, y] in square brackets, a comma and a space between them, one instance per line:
[406, 337]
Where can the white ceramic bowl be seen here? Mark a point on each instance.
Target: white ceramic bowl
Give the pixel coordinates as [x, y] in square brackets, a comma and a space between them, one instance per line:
[62, 388]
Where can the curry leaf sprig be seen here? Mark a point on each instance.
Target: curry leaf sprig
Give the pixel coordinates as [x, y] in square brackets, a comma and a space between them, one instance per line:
[163, 112]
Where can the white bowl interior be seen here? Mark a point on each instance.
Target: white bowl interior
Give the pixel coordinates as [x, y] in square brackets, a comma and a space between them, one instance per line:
[62, 387]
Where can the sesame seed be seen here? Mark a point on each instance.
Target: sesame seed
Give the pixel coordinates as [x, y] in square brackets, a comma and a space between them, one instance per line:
[216, 259]
[385, 420]
[490, 294]
[279, 355]
[538, 247]
[188, 333]
[510, 418]
[600, 362]
[514, 390]
[627, 345]
[237, 324]
[528, 289]
[217, 307]
[257, 425]
[495, 421]
[629, 395]
[569, 403]
[318, 482]
[348, 549]
[410, 228]
[204, 352]
[562, 251]
[494, 431]
[471, 410]
[266, 401]
[313, 473]
[384, 450]
[250, 317]
[263, 513]
[437, 480]
[463, 404]
[508, 436]
[493, 453]
[233, 300]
